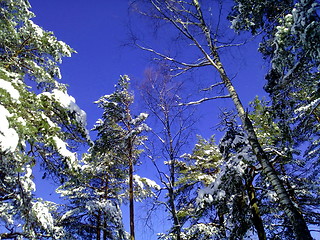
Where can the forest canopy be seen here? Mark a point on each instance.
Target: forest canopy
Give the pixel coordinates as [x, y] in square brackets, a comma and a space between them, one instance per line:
[256, 177]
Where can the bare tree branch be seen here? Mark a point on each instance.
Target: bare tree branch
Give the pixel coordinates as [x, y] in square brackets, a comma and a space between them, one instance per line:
[212, 86]
[204, 100]
[165, 57]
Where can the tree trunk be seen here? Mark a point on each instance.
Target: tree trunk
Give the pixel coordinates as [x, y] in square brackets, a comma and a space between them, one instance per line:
[222, 223]
[296, 218]
[176, 227]
[131, 203]
[256, 217]
[176, 222]
[98, 226]
[210, 53]
[105, 223]
[130, 158]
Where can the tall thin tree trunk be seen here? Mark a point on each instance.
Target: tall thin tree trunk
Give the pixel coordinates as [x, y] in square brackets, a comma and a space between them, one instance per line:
[130, 158]
[131, 200]
[176, 222]
[177, 226]
[105, 231]
[296, 218]
[256, 217]
[105, 223]
[98, 226]
[132, 233]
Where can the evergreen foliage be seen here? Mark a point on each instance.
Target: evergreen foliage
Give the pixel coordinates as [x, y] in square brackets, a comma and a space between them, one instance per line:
[103, 184]
[260, 181]
[39, 122]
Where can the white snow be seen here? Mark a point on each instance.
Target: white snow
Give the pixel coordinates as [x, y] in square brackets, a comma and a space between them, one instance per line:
[205, 178]
[65, 49]
[107, 206]
[8, 136]
[302, 109]
[6, 210]
[140, 118]
[43, 215]
[151, 183]
[37, 30]
[202, 228]
[138, 181]
[221, 194]
[63, 151]
[69, 103]
[51, 124]
[26, 181]
[204, 195]
[7, 86]
[22, 121]
[208, 152]
[144, 187]
[272, 196]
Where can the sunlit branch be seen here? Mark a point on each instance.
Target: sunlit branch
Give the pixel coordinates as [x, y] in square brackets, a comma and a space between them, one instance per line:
[204, 100]
[212, 86]
[165, 57]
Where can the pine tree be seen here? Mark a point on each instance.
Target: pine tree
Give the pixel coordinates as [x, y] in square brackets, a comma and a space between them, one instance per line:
[195, 208]
[94, 196]
[120, 133]
[39, 122]
[107, 174]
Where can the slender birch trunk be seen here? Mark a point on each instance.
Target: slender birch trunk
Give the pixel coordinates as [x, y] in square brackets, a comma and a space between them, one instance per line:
[296, 218]
[170, 11]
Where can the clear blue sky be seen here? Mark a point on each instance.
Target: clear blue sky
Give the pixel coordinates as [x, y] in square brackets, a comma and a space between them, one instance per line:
[97, 30]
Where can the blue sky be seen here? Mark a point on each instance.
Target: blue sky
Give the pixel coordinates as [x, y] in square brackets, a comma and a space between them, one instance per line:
[98, 31]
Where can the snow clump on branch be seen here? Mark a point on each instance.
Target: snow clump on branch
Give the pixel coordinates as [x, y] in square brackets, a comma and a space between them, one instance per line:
[8, 136]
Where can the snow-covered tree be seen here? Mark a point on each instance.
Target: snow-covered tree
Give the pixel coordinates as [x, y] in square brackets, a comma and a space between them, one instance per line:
[296, 171]
[291, 43]
[196, 174]
[120, 132]
[225, 205]
[39, 122]
[93, 198]
[107, 178]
